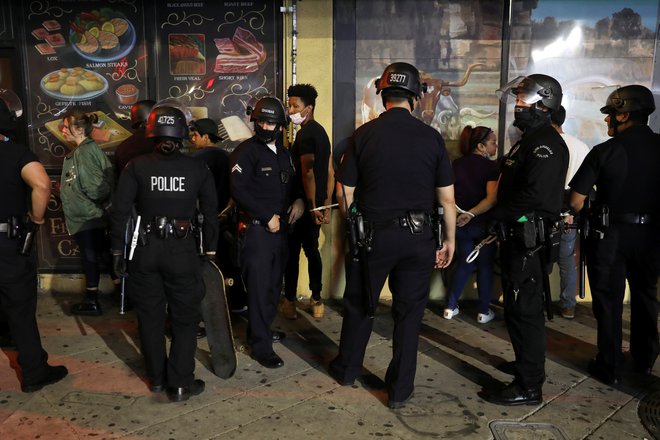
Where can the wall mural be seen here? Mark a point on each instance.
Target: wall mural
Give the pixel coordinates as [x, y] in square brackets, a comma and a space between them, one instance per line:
[457, 47]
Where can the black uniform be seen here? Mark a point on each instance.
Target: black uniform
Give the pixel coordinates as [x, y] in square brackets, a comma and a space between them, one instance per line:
[166, 270]
[18, 273]
[395, 162]
[311, 139]
[625, 172]
[262, 185]
[133, 146]
[531, 186]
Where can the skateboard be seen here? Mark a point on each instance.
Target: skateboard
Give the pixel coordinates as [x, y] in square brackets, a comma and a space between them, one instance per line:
[216, 320]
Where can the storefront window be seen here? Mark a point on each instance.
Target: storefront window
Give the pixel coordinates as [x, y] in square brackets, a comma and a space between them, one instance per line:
[590, 47]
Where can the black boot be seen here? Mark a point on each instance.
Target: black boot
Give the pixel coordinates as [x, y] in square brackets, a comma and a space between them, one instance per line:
[90, 306]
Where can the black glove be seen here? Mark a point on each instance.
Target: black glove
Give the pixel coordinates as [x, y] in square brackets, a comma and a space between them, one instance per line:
[119, 265]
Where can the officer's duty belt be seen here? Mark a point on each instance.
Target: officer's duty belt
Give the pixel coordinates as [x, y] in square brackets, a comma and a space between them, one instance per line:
[165, 227]
[244, 218]
[630, 218]
[399, 221]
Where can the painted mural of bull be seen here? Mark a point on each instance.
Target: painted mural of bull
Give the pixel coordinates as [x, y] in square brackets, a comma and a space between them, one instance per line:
[438, 92]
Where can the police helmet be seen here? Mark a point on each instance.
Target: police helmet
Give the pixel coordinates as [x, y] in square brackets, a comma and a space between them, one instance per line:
[632, 98]
[10, 109]
[400, 77]
[177, 104]
[140, 112]
[166, 122]
[534, 88]
[269, 109]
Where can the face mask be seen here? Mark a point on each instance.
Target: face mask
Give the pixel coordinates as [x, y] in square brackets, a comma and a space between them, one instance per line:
[530, 117]
[523, 117]
[265, 135]
[297, 118]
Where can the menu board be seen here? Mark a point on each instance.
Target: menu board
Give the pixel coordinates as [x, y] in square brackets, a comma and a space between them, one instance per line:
[83, 54]
[217, 57]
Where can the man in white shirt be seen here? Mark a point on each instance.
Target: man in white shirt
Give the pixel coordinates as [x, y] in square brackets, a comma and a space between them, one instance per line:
[567, 268]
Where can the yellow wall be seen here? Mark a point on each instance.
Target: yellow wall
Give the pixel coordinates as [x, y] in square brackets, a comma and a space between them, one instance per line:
[314, 66]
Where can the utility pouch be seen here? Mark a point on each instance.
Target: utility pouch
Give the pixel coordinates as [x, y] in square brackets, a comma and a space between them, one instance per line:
[525, 233]
[162, 226]
[14, 226]
[27, 237]
[416, 221]
[552, 243]
[180, 228]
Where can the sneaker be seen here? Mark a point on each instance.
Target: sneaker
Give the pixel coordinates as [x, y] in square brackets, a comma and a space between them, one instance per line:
[288, 309]
[317, 308]
[485, 318]
[450, 313]
[568, 312]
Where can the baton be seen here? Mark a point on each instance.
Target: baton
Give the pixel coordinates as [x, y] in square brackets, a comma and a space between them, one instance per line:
[321, 208]
[134, 239]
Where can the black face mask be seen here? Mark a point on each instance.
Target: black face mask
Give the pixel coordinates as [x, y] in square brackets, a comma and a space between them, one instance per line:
[529, 117]
[266, 135]
[7, 123]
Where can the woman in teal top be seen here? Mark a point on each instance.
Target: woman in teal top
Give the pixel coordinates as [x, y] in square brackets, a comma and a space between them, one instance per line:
[85, 188]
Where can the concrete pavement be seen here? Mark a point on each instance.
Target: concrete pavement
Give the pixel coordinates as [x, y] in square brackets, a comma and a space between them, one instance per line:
[105, 395]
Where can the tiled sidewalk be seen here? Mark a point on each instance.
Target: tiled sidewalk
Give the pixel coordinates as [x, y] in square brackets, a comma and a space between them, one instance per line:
[105, 395]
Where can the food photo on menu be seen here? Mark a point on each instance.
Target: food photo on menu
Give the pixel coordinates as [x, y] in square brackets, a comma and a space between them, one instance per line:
[85, 50]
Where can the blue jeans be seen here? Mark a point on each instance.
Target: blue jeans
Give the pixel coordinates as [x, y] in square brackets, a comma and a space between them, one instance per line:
[567, 269]
[467, 238]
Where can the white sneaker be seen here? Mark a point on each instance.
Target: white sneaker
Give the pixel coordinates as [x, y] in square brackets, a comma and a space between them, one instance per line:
[485, 318]
[450, 313]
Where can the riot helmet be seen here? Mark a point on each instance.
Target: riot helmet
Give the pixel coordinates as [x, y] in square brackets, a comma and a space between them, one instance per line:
[177, 104]
[532, 89]
[268, 109]
[166, 122]
[400, 79]
[140, 112]
[10, 110]
[631, 98]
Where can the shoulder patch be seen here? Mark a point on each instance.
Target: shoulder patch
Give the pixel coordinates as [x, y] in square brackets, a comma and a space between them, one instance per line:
[542, 152]
[236, 168]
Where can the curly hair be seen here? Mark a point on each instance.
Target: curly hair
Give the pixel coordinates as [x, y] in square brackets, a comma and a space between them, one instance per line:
[306, 92]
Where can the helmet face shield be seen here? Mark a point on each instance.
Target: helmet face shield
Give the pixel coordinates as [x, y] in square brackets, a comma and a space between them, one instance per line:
[522, 88]
[13, 102]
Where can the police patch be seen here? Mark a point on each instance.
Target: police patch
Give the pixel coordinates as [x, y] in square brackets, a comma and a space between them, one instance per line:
[236, 168]
[542, 152]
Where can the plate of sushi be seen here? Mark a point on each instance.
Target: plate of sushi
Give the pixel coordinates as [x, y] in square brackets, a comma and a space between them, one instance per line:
[102, 35]
[73, 84]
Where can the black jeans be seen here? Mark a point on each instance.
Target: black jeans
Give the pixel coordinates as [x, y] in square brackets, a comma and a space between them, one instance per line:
[94, 248]
[305, 235]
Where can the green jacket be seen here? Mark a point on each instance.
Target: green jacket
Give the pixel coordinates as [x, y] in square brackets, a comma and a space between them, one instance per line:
[86, 187]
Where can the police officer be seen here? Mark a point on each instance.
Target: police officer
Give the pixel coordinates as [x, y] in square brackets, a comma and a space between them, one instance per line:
[398, 167]
[262, 185]
[22, 177]
[135, 144]
[165, 187]
[624, 170]
[530, 192]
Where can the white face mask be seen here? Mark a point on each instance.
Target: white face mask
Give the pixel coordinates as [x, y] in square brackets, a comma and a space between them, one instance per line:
[297, 118]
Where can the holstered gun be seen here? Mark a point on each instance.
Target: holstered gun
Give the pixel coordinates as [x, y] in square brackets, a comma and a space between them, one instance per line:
[359, 238]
